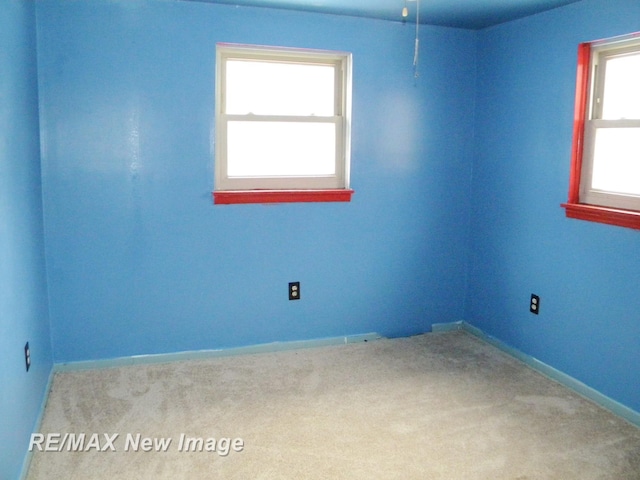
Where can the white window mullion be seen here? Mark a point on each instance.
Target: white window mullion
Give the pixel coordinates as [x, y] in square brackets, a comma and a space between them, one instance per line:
[281, 118]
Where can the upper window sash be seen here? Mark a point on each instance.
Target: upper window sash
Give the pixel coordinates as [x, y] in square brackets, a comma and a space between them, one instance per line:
[336, 60]
[606, 88]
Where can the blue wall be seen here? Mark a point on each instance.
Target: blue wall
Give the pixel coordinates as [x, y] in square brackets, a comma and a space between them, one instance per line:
[23, 294]
[140, 261]
[587, 274]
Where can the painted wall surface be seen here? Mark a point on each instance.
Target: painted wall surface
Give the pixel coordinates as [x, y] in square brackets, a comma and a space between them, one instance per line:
[140, 261]
[23, 294]
[587, 274]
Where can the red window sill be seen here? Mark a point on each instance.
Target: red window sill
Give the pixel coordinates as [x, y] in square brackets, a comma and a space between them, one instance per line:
[610, 216]
[280, 196]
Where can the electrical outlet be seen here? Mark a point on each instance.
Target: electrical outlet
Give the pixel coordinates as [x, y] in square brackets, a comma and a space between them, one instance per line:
[27, 356]
[294, 291]
[534, 304]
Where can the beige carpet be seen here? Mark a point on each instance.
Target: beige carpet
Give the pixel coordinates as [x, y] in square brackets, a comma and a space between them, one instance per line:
[436, 406]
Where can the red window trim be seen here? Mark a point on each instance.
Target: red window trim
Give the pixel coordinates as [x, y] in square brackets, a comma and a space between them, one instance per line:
[573, 207]
[610, 216]
[229, 197]
[580, 112]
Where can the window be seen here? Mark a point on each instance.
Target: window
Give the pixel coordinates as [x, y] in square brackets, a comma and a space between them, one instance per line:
[605, 173]
[282, 125]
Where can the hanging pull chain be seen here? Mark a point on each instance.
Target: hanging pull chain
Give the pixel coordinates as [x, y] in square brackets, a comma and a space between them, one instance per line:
[417, 43]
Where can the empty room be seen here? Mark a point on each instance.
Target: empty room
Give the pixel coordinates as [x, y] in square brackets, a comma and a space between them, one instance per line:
[300, 239]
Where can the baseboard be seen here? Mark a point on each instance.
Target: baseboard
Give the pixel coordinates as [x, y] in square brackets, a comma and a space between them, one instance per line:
[204, 354]
[447, 327]
[568, 381]
[26, 462]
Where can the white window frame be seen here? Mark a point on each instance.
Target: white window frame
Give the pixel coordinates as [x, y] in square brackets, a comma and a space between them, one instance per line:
[342, 63]
[600, 53]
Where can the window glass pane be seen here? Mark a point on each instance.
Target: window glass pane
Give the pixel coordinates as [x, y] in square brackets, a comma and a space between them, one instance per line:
[272, 88]
[280, 149]
[616, 161]
[622, 88]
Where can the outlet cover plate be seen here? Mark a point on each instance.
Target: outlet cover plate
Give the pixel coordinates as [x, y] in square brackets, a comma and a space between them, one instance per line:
[534, 304]
[294, 290]
[27, 356]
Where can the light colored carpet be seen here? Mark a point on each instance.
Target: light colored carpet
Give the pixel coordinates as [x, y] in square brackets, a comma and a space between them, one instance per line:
[435, 406]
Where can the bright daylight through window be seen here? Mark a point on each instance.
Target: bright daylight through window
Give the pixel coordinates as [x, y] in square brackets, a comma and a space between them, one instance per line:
[282, 125]
[605, 184]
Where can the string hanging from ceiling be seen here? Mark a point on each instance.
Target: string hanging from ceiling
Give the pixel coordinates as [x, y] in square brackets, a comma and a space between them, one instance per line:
[416, 48]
